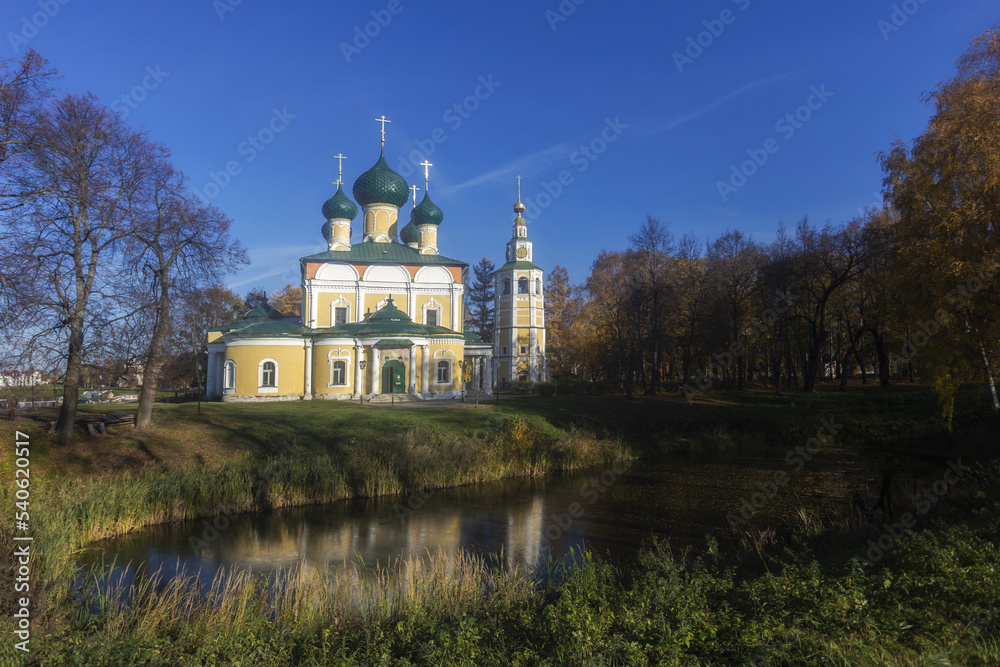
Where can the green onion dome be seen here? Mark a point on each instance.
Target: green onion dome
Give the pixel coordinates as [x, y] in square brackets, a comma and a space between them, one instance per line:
[426, 212]
[381, 185]
[339, 207]
[409, 234]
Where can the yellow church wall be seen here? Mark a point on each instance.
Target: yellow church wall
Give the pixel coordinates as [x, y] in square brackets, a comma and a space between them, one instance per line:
[324, 312]
[214, 336]
[322, 361]
[289, 359]
[443, 306]
[439, 351]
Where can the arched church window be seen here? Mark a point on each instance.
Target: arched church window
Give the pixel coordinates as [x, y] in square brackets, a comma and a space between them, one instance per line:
[229, 377]
[268, 374]
[338, 373]
[506, 285]
[522, 285]
[443, 372]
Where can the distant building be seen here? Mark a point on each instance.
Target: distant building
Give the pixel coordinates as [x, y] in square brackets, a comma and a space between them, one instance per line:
[29, 378]
[519, 336]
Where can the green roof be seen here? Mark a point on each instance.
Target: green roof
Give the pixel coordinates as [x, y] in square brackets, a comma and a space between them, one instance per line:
[471, 338]
[409, 234]
[339, 207]
[391, 253]
[427, 212]
[263, 324]
[381, 185]
[519, 265]
[394, 342]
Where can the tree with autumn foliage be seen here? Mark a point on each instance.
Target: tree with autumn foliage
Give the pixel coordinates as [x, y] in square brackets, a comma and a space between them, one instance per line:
[560, 314]
[946, 188]
[288, 300]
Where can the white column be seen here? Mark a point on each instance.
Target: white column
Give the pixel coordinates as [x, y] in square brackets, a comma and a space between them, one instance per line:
[455, 315]
[307, 395]
[412, 380]
[426, 370]
[313, 308]
[532, 347]
[376, 370]
[211, 374]
[489, 375]
[411, 303]
[359, 375]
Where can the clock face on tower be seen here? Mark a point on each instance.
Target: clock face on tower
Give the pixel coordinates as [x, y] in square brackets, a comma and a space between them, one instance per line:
[522, 253]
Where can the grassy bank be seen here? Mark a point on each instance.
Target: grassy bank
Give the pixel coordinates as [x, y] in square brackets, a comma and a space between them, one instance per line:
[236, 458]
[932, 599]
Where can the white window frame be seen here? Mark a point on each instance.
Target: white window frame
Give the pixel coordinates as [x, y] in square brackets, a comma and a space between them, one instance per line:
[229, 373]
[432, 306]
[333, 372]
[347, 315]
[339, 355]
[442, 364]
[261, 389]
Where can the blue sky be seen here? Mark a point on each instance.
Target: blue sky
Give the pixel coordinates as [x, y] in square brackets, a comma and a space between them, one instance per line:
[609, 110]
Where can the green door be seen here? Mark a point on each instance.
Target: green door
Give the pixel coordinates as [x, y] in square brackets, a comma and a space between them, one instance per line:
[393, 377]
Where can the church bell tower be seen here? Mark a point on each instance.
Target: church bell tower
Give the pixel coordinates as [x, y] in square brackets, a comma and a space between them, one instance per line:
[519, 340]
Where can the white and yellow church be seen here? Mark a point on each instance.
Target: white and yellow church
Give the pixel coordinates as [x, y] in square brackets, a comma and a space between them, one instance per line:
[383, 318]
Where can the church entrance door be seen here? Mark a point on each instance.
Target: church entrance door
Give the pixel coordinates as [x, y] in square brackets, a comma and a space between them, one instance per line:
[393, 377]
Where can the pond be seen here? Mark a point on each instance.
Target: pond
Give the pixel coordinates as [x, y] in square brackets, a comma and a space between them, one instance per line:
[609, 511]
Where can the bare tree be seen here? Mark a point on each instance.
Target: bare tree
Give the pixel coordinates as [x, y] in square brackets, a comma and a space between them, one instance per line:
[86, 167]
[174, 240]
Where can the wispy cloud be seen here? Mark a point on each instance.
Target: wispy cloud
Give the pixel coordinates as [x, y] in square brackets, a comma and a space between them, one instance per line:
[526, 164]
[674, 123]
[541, 160]
[269, 262]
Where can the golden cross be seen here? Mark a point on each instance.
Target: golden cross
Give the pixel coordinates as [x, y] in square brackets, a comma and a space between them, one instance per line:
[518, 188]
[383, 121]
[340, 167]
[414, 188]
[427, 172]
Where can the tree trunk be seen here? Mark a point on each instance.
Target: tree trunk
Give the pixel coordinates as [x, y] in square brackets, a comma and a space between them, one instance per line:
[883, 358]
[71, 383]
[991, 385]
[844, 375]
[154, 360]
[813, 359]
